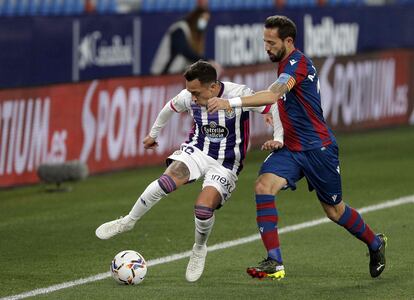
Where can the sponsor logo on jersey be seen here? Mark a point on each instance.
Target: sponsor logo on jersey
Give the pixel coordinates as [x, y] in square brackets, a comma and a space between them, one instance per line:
[214, 132]
[293, 61]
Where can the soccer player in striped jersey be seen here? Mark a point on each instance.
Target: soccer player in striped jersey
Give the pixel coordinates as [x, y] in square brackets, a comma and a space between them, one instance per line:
[214, 150]
[310, 150]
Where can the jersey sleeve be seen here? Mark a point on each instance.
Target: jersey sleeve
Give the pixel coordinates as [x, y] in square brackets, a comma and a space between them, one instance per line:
[294, 72]
[162, 119]
[180, 103]
[175, 105]
[277, 124]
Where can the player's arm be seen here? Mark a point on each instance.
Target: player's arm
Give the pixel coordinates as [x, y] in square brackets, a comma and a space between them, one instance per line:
[278, 132]
[150, 141]
[280, 87]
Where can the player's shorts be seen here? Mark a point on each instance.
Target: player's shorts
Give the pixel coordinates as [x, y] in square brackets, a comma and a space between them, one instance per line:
[200, 164]
[320, 167]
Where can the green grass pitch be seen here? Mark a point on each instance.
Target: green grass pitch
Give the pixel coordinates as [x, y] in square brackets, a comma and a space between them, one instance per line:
[48, 238]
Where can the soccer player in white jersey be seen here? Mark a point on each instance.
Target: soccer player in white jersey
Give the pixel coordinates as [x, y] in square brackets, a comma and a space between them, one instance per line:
[215, 150]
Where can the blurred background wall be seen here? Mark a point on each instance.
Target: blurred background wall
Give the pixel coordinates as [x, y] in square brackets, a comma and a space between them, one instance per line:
[75, 78]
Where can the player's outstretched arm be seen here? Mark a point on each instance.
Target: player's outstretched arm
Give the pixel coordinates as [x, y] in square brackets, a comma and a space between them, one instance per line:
[258, 99]
[270, 96]
[160, 122]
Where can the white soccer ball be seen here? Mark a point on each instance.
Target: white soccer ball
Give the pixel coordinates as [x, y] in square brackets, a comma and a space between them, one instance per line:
[128, 267]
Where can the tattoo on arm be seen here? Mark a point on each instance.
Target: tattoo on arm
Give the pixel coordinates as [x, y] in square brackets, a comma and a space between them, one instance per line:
[278, 88]
[179, 170]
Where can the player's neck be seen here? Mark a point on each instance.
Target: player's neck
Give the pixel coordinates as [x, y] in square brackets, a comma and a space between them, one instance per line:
[288, 52]
[219, 90]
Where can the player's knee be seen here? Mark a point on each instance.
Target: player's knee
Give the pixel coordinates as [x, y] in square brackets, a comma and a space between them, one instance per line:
[263, 187]
[167, 183]
[203, 212]
[179, 172]
[333, 214]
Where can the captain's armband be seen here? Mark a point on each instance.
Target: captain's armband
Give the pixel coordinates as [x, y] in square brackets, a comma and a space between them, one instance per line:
[286, 80]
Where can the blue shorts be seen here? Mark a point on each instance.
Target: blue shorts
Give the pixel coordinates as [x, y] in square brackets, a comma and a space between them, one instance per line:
[320, 167]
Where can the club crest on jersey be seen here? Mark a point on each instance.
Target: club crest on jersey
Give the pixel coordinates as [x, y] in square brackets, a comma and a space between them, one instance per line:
[214, 132]
[177, 152]
[230, 113]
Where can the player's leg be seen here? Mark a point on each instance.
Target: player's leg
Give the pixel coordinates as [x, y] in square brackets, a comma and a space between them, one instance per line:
[278, 171]
[176, 175]
[208, 200]
[218, 185]
[266, 187]
[325, 177]
[349, 218]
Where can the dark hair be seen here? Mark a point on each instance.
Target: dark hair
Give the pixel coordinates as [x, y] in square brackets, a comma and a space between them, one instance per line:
[286, 26]
[201, 70]
[197, 40]
[194, 15]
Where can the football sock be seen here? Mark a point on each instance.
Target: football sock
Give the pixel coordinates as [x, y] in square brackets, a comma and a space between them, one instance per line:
[152, 194]
[204, 221]
[352, 221]
[267, 219]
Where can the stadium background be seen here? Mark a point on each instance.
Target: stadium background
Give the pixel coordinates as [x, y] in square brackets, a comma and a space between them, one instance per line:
[75, 84]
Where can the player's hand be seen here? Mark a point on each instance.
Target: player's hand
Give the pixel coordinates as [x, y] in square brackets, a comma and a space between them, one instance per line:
[268, 119]
[150, 143]
[272, 145]
[215, 104]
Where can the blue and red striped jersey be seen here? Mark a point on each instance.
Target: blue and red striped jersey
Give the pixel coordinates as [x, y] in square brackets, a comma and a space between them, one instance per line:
[300, 109]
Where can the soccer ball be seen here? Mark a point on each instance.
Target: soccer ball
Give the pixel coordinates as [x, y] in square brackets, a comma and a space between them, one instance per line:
[128, 267]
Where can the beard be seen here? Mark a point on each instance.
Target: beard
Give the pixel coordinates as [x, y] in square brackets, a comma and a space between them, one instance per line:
[278, 56]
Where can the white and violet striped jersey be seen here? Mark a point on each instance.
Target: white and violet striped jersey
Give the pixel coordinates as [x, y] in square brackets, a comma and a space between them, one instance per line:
[223, 135]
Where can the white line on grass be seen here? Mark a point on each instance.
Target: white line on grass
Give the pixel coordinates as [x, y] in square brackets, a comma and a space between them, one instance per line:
[224, 245]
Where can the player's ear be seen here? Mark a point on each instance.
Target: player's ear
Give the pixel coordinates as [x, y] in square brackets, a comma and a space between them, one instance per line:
[214, 85]
[289, 40]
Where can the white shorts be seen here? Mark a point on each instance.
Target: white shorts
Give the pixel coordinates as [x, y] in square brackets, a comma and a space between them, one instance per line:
[200, 164]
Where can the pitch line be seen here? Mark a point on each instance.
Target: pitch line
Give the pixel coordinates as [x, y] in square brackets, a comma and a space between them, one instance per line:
[224, 245]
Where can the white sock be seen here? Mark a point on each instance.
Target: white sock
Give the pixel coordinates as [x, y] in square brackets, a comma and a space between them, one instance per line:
[202, 230]
[152, 194]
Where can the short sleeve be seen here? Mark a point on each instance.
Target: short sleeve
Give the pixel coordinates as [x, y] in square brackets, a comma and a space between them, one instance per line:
[295, 68]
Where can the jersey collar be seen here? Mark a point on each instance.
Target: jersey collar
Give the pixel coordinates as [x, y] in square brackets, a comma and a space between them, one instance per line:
[221, 89]
[287, 58]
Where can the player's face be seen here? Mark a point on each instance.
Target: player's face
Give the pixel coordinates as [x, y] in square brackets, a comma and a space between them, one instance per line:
[200, 93]
[275, 46]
